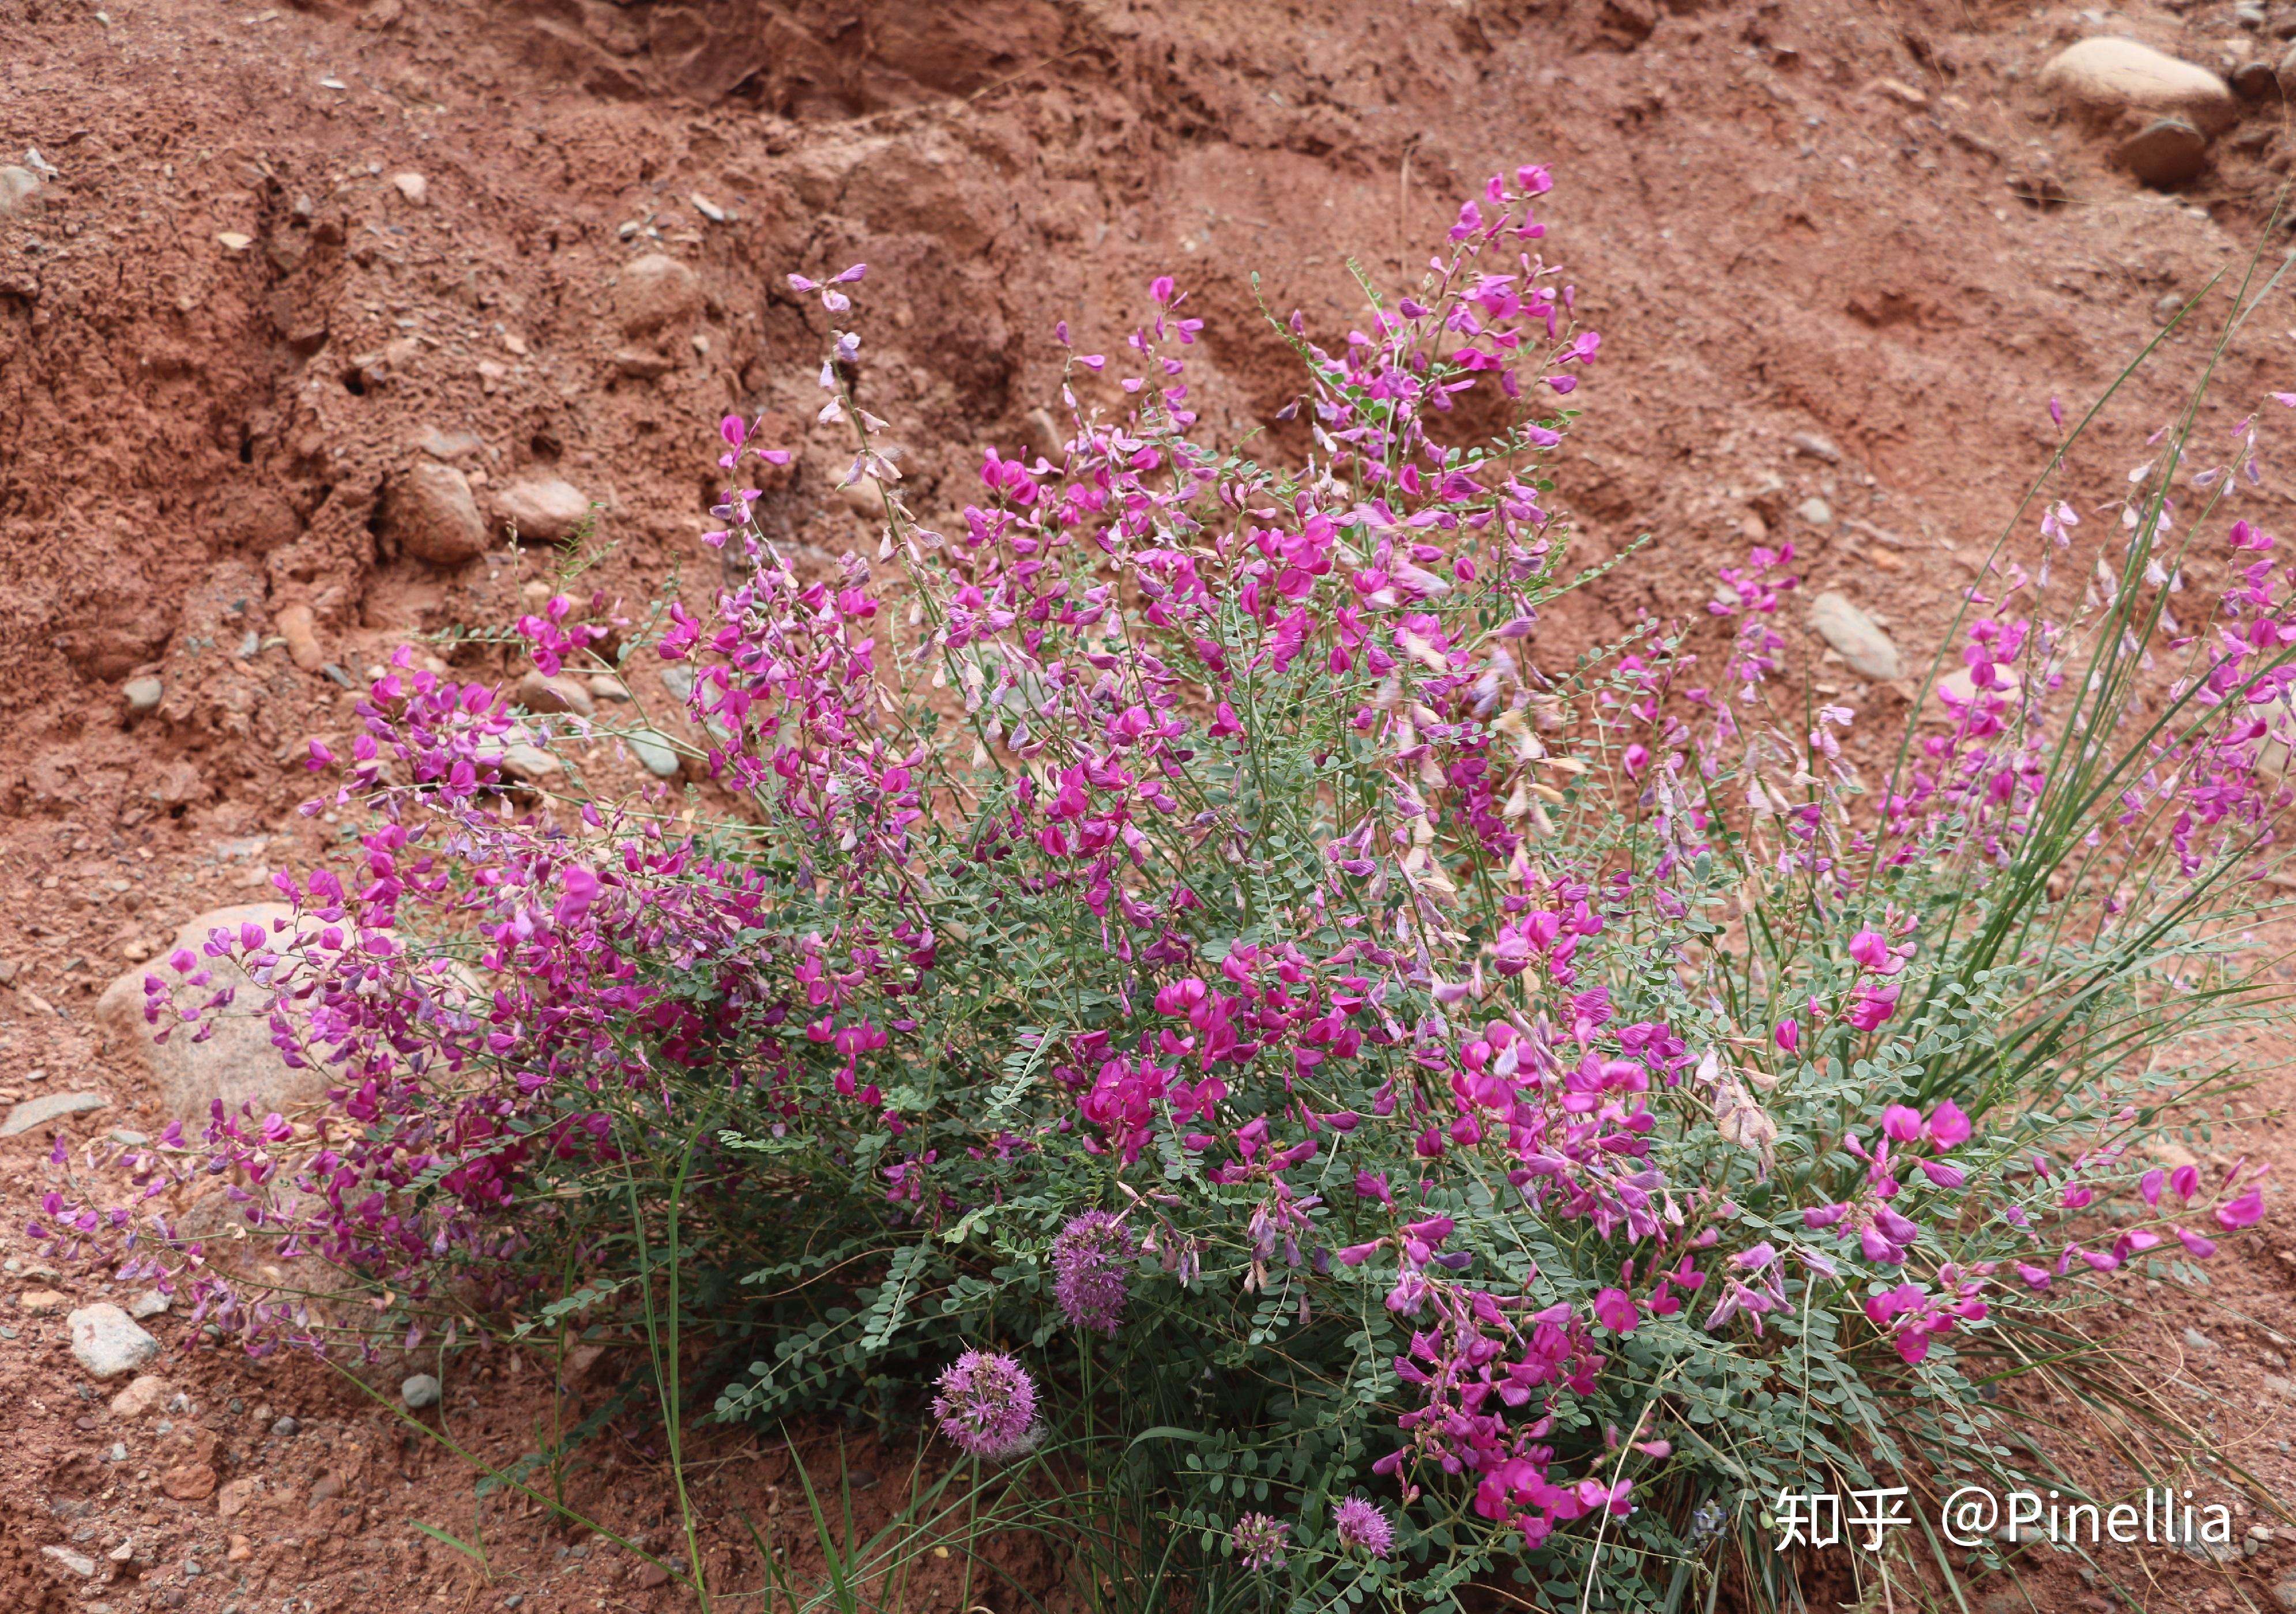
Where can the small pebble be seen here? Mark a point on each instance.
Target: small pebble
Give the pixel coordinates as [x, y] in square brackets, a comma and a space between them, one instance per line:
[2194, 1339]
[419, 1390]
[285, 1426]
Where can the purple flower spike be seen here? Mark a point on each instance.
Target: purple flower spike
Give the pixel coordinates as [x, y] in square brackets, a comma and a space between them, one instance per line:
[1363, 1524]
[1089, 1262]
[988, 1405]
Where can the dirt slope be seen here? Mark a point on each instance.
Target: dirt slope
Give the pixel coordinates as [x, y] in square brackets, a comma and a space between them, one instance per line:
[283, 256]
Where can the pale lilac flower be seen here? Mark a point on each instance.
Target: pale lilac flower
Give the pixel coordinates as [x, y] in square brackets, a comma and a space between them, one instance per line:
[1259, 1541]
[1363, 1524]
[988, 1405]
[1089, 1262]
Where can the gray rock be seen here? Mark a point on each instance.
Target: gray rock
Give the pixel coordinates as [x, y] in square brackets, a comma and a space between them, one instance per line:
[2283, 1387]
[117, 1454]
[1816, 512]
[39, 1111]
[1816, 446]
[20, 190]
[540, 693]
[150, 1303]
[2194, 1339]
[656, 755]
[531, 763]
[419, 1391]
[2285, 1593]
[78, 1563]
[2167, 151]
[2167, 306]
[127, 1137]
[237, 1064]
[428, 511]
[543, 509]
[143, 694]
[1856, 636]
[107, 1343]
[286, 1426]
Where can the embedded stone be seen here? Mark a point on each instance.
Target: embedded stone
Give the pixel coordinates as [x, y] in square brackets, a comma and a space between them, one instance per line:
[237, 1063]
[39, 1111]
[107, 1343]
[543, 509]
[427, 509]
[419, 1390]
[2167, 151]
[1856, 636]
[2109, 78]
[655, 291]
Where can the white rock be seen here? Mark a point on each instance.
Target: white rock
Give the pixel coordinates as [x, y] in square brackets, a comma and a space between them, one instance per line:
[543, 509]
[19, 189]
[150, 1303]
[39, 1111]
[1815, 445]
[78, 1563]
[1816, 512]
[143, 694]
[413, 186]
[1856, 636]
[237, 1064]
[2107, 78]
[107, 1343]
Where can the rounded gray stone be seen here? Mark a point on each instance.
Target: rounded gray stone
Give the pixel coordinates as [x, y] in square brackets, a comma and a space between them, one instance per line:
[419, 1390]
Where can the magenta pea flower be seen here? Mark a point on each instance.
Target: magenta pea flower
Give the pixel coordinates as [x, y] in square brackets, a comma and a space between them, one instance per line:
[1788, 1035]
[2245, 1211]
[1948, 1128]
[2185, 1180]
[2198, 1244]
[1870, 949]
[1873, 1007]
[1616, 1310]
[2150, 1186]
[1901, 1123]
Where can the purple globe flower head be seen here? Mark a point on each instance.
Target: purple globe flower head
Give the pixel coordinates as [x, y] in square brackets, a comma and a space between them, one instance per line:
[1089, 1271]
[1363, 1523]
[1259, 1541]
[988, 1405]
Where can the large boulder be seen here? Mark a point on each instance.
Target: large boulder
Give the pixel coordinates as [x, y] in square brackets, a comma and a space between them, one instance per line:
[427, 509]
[237, 1064]
[2109, 79]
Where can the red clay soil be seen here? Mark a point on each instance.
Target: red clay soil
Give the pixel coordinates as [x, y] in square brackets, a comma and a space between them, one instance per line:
[1842, 257]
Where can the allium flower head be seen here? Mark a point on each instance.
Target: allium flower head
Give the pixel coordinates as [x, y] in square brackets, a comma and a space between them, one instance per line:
[1089, 1262]
[988, 1405]
[1363, 1524]
[1259, 1541]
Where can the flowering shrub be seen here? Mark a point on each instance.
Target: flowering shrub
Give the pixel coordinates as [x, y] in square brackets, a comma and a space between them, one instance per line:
[1432, 1102]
